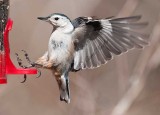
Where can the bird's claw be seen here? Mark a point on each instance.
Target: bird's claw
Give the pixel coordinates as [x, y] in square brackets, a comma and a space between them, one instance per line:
[39, 73]
[32, 64]
[25, 78]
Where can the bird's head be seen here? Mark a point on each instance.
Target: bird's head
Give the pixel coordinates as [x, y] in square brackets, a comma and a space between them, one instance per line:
[56, 19]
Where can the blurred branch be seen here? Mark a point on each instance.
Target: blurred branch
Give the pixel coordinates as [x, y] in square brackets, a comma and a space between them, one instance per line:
[141, 70]
[122, 62]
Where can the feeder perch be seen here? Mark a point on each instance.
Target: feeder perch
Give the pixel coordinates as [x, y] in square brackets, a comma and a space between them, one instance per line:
[6, 65]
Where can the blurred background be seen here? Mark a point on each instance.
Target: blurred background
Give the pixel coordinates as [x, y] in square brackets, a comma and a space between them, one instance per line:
[127, 85]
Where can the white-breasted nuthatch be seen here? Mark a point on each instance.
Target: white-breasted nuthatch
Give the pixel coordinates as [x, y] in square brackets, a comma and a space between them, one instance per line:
[87, 43]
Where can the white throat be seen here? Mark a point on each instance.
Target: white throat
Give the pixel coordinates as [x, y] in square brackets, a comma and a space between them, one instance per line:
[67, 29]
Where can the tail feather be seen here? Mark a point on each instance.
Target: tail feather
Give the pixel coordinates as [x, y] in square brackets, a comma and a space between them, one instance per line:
[64, 91]
[63, 83]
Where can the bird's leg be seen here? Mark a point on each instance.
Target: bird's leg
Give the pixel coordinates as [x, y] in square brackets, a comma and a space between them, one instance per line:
[48, 64]
[45, 62]
[40, 63]
[32, 64]
[42, 60]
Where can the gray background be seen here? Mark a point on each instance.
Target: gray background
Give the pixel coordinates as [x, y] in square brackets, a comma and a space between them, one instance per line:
[127, 85]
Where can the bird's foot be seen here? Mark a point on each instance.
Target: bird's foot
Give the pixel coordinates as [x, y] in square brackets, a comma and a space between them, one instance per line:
[32, 64]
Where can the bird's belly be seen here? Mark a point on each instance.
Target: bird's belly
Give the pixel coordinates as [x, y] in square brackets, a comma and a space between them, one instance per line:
[61, 47]
[62, 55]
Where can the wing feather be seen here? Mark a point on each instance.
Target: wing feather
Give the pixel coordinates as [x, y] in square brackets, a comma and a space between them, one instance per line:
[97, 39]
[127, 19]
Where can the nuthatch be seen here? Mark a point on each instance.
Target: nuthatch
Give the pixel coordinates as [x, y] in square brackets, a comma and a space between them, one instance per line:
[87, 43]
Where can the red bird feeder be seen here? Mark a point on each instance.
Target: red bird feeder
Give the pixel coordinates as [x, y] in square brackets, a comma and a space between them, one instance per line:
[6, 65]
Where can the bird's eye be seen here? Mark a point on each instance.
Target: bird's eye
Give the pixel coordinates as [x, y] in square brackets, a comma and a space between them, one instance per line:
[56, 18]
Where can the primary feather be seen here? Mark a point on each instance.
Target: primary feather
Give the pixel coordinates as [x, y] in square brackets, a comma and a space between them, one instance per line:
[96, 40]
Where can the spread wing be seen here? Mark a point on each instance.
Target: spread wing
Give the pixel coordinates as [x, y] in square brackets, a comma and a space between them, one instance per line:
[96, 40]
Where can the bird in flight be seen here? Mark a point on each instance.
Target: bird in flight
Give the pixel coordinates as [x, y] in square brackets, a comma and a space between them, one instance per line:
[87, 43]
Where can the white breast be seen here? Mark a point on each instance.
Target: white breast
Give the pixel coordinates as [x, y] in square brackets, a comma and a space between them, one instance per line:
[60, 46]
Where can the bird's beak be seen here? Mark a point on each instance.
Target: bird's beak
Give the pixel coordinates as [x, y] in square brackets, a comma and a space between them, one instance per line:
[46, 19]
[43, 18]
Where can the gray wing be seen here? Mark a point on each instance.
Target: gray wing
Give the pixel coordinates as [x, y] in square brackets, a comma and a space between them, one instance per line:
[96, 40]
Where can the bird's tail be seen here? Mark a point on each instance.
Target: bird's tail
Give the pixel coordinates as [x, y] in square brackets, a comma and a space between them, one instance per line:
[63, 83]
